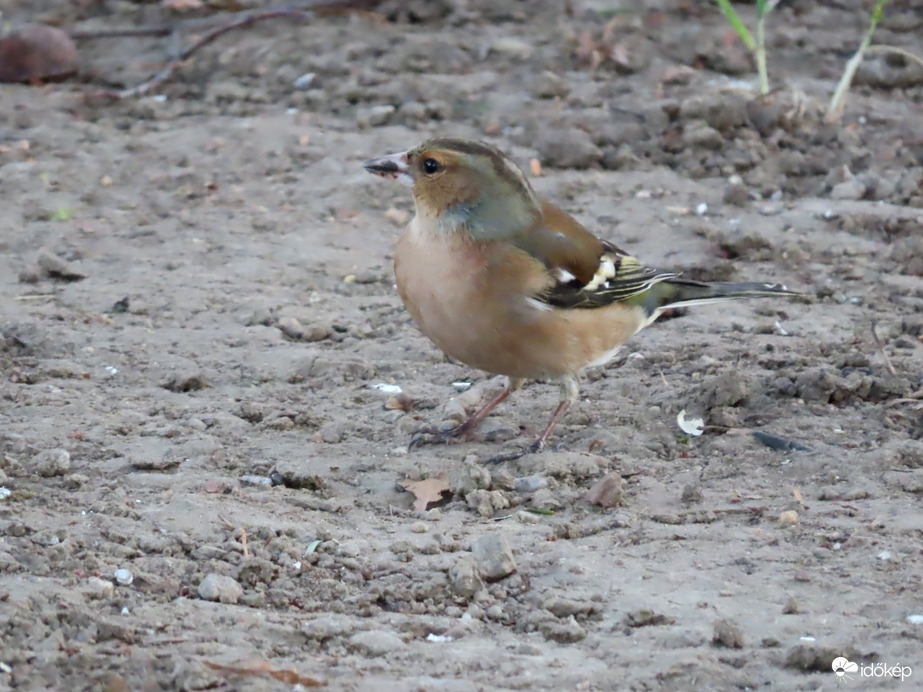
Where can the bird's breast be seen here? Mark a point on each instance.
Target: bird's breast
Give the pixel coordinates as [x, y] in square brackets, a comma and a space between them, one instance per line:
[476, 301]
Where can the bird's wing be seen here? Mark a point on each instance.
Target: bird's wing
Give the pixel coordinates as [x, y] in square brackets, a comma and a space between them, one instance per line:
[619, 278]
[587, 272]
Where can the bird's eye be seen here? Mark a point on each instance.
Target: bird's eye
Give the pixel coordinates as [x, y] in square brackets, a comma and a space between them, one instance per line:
[431, 166]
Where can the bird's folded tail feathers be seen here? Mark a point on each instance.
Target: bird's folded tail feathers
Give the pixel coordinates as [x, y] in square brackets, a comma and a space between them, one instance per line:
[674, 293]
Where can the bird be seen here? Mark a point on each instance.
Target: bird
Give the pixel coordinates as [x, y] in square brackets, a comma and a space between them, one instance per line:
[508, 283]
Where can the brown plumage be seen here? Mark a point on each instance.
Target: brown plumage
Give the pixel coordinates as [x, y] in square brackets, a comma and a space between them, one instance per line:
[511, 284]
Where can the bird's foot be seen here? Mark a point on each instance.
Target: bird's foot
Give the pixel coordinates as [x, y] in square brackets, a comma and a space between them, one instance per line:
[533, 448]
[432, 434]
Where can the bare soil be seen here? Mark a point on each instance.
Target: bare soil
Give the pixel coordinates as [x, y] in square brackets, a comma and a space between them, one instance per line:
[196, 294]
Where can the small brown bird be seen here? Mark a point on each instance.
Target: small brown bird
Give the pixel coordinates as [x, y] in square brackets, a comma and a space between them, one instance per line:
[509, 283]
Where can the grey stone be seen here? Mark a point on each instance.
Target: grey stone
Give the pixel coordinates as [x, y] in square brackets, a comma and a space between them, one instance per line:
[375, 642]
[464, 578]
[494, 557]
[52, 462]
[567, 147]
[562, 631]
[221, 588]
[728, 633]
[548, 85]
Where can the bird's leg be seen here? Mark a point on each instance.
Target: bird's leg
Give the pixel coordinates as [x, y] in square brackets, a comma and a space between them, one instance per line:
[570, 390]
[510, 386]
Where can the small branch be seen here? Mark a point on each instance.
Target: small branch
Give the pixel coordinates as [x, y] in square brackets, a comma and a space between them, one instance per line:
[884, 353]
[164, 74]
[882, 48]
[312, 7]
[92, 34]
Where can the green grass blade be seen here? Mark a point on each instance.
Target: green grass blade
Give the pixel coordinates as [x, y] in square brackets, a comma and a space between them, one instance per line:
[737, 24]
[838, 101]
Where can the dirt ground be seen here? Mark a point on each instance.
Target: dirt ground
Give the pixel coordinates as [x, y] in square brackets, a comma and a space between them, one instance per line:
[196, 296]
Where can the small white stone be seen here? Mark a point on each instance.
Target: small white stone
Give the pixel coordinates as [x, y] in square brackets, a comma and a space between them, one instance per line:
[304, 81]
[915, 619]
[701, 209]
[124, 577]
[437, 638]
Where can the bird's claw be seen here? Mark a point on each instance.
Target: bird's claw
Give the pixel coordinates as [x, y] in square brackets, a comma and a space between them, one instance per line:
[533, 448]
[431, 434]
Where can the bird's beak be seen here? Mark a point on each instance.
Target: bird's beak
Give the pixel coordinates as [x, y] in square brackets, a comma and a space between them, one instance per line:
[393, 166]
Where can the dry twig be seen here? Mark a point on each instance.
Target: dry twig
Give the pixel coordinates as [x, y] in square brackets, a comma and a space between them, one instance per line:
[307, 9]
[884, 353]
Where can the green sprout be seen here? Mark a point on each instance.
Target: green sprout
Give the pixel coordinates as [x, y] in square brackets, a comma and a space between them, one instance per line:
[62, 214]
[838, 101]
[757, 47]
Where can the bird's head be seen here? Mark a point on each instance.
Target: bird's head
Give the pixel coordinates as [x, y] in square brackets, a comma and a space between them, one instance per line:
[463, 184]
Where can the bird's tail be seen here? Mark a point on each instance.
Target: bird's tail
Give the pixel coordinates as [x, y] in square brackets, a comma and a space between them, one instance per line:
[677, 292]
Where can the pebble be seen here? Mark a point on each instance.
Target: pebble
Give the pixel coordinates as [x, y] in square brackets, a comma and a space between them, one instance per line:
[100, 588]
[728, 633]
[512, 47]
[56, 268]
[607, 492]
[220, 588]
[788, 518]
[468, 478]
[562, 631]
[529, 484]
[464, 578]
[305, 80]
[566, 147]
[915, 619]
[376, 642]
[851, 189]
[256, 480]
[548, 85]
[487, 502]
[45, 538]
[291, 327]
[398, 217]
[52, 462]
[810, 657]
[701, 135]
[375, 116]
[124, 577]
[494, 557]
[736, 195]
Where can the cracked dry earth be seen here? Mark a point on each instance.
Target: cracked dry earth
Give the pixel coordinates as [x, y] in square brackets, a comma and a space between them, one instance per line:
[196, 297]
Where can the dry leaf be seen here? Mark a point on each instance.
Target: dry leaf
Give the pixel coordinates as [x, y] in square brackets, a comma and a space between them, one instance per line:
[798, 496]
[607, 492]
[536, 167]
[427, 491]
[289, 677]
